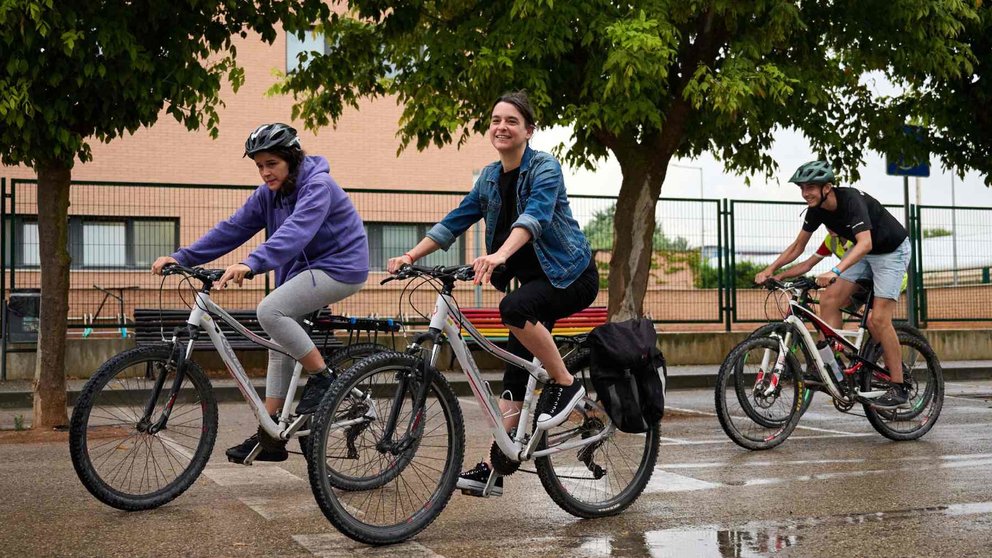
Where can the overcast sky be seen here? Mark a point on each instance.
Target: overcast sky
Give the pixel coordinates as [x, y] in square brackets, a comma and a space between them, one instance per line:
[790, 151]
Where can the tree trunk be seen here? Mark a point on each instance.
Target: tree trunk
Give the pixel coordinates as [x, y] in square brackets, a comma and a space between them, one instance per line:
[53, 234]
[633, 225]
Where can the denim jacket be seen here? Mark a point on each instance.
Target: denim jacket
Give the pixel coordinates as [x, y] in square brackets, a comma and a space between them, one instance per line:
[543, 207]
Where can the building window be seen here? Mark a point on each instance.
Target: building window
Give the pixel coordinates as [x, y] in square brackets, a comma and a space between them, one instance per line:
[304, 41]
[96, 242]
[388, 240]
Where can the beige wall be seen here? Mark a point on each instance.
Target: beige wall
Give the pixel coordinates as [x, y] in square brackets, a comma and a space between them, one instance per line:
[361, 150]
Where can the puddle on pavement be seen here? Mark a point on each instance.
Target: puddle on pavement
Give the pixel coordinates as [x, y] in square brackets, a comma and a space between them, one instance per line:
[750, 540]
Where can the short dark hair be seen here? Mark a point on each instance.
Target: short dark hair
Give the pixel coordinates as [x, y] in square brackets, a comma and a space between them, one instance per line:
[519, 100]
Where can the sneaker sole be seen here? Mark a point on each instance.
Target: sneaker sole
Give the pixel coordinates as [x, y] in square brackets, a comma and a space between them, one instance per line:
[475, 488]
[551, 422]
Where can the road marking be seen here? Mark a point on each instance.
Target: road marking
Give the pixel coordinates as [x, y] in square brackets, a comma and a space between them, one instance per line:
[283, 507]
[815, 429]
[239, 475]
[336, 545]
[175, 446]
[665, 481]
[692, 411]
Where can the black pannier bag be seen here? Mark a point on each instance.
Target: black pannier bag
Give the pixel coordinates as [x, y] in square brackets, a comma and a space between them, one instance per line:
[629, 373]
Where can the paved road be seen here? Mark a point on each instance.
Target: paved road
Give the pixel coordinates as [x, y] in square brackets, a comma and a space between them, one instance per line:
[835, 488]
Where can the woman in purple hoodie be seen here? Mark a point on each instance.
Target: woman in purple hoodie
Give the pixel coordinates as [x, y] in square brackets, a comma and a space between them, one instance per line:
[316, 245]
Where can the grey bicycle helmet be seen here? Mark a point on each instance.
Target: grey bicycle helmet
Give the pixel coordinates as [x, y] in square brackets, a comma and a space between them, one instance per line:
[813, 172]
[271, 136]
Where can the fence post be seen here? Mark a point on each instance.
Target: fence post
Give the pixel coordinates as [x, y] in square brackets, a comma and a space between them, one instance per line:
[3, 279]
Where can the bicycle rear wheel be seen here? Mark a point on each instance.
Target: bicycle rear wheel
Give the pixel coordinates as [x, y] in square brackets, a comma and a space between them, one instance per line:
[115, 456]
[921, 370]
[780, 405]
[598, 479]
[393, 492]
[340, 361]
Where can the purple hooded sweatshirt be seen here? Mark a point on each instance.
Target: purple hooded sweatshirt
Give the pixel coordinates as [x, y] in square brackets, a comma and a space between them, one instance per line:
[315, 227]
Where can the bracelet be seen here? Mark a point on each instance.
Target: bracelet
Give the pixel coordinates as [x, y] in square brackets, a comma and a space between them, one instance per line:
[409, 255]
[835, 270]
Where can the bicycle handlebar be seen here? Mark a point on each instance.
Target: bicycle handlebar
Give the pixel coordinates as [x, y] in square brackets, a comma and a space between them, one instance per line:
[799, 285]
[454, 272]
[203, 274]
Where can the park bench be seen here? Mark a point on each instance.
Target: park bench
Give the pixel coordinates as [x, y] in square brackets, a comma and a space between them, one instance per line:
[490, 325]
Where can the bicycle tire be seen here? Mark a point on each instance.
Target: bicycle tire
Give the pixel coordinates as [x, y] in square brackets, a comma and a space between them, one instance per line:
[103, 411]
[364, 515]
[926, 404]
[767, 330]
[340, 361]
[742, 430]
[574, 491]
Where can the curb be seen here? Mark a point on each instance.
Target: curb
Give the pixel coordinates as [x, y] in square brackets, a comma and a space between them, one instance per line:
[694, 379]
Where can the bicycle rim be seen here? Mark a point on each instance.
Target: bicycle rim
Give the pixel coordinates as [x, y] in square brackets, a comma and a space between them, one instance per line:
[601, 478]
[921, 369]
[740, 398]
[389, 497]
[121, 463]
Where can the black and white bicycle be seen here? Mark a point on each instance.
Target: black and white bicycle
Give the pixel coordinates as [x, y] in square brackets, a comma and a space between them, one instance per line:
[408, 430]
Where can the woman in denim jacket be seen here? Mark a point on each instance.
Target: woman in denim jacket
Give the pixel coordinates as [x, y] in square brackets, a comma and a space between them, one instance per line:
[529, 230]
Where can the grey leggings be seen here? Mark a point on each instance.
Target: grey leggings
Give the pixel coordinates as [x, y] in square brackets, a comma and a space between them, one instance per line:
[281, 313]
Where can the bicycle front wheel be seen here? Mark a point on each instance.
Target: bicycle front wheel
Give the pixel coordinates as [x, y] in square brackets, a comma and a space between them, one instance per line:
[602, 478]
[922, 372]
[745, 388]
[114, 453]
[377, 490]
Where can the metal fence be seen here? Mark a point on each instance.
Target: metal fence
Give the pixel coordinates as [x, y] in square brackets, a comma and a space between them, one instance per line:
[705, 252]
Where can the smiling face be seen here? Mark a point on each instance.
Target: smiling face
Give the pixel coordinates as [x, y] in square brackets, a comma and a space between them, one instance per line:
[508, 129]
[813, 193]
[273, 169]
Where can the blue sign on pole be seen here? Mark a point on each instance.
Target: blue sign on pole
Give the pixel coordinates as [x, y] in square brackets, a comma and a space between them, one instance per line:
[900, 167]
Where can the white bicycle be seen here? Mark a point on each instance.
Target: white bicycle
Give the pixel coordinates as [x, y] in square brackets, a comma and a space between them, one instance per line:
[411, 438]
[145, 423]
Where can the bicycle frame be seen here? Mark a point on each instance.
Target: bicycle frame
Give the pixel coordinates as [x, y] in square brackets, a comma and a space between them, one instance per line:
[795, 318]
[201, 320]
[448, 319]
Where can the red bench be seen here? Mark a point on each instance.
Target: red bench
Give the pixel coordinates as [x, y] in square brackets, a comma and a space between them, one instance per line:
[489, 324]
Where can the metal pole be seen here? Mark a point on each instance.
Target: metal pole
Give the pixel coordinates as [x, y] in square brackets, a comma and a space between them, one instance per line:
[954, 231]
[910, 291]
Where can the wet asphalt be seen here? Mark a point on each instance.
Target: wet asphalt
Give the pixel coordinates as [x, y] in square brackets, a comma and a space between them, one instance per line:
[835, 488]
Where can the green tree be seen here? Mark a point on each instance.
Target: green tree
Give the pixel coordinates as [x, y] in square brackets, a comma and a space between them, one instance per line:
[599, 231]
[72, 72]
[644, 80]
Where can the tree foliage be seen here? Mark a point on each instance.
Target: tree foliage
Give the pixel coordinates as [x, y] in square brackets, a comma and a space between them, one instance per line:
[648, 80]
[71, 72]
[599, 231]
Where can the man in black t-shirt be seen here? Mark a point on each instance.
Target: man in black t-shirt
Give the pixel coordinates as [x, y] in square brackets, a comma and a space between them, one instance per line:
[881, 251]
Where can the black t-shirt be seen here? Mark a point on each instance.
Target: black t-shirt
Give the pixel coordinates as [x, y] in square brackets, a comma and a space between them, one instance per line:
[857, 211]
[523, 264]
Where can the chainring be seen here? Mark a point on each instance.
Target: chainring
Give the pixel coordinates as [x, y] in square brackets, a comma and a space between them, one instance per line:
[502, 464]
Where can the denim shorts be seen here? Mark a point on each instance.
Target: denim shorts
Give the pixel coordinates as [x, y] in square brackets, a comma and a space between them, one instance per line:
[886, 270]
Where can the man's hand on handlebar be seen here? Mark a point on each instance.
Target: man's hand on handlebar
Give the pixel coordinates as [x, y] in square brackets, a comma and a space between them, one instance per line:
[236, 273]
[762, 277]
[826, 279]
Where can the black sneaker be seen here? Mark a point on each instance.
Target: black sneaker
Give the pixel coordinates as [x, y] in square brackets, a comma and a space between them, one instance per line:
[895, 398]
[272, 450]
[473, 481]
[313, 392]
[558, 403]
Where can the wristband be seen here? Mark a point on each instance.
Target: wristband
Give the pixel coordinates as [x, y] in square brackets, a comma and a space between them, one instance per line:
[835, 270]
[409, 255]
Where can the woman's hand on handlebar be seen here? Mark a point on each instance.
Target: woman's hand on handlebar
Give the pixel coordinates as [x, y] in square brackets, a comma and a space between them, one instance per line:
[484, 266]
[234, 273]
[394, 264]
[162, 262]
